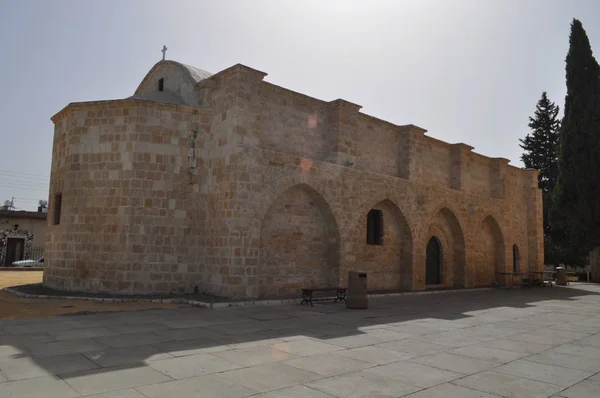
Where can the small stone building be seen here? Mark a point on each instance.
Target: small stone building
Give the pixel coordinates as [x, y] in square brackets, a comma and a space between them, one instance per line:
[238, 187]
[22, 235]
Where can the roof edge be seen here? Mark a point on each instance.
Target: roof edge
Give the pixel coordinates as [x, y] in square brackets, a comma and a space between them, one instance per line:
[79, 105]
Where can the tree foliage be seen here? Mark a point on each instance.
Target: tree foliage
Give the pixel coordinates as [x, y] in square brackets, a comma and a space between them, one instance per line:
[576, 197]
[540, 152]
[540, 146]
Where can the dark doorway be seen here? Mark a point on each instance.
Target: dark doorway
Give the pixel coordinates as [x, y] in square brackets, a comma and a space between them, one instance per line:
[516, 259]
[433, 262]
[14, 250]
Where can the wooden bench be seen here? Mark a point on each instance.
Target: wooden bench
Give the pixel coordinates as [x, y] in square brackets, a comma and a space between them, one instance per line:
[307, 294]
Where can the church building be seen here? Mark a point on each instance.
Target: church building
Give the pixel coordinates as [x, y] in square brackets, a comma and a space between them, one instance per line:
[230, 185]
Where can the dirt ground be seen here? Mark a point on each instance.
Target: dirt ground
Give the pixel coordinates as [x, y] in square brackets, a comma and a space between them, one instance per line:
[12, 307]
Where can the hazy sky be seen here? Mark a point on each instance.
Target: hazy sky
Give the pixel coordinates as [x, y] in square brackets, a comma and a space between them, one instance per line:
[467, 71]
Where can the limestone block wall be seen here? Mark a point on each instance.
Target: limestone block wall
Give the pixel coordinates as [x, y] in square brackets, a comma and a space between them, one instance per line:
[476, 207]
[293, 123]
[133, 204]
[378, 146]
[472, 229]
[432, 158]
[258, 191]
[337, 132]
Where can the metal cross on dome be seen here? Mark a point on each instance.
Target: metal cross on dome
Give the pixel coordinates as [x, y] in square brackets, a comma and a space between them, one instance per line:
[164, 51]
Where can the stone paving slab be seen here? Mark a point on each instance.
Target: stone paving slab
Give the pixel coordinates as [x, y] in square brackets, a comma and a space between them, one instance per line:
[306, 347]
[455, 363]
[255, 355]
[328, 364]
[87, 333]
[567, 361]
[190, 366]
[190, 347]
[135, 356]
[481, 351]
[132, 339]
[576, 348]
[139, 328]
[593, 340]
[298, 391]
[374, 355]
[113, 379]
[362, 385]
[585, 389]
[547, 336]
[558, 375]
[128, 393]
[366, 339]
[53, 349]
[210, 386]
[519, 343]
[28, 368]
[414, 346]
[508, 385]
[40, 387]
[571, 327]
[413, 374]
[449, 390]
[267, 377]
[516, 346]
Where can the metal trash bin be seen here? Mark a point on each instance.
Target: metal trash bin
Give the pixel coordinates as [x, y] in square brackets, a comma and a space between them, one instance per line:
[357, 290]
[561, 276]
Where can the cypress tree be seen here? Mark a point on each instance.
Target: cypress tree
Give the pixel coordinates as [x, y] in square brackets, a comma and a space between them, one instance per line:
[576, 199]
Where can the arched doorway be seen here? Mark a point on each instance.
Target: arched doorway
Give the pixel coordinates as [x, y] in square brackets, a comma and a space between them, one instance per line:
[516, 259]
[433, 262]
[446, 230]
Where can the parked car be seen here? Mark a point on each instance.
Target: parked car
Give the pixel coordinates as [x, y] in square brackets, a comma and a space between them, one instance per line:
[29, 263]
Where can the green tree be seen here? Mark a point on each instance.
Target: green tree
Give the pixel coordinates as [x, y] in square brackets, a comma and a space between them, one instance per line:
[540, 146]
[576, 198]
[540, 150]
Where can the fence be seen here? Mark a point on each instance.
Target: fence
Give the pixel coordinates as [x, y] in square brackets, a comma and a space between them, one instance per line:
[37, 252]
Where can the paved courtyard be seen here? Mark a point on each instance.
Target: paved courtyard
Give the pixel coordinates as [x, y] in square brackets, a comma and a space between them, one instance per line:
[487, 343]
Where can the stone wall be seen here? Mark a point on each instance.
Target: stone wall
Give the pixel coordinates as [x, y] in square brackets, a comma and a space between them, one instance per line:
[133, 210]
[262, 190]
[473, 237]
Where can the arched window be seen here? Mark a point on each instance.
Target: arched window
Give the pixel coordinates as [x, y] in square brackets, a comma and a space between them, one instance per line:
[375, 227]
[516, 259]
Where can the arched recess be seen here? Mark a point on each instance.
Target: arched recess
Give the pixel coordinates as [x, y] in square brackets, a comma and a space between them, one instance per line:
[389, 265]
[299, 244]
[516, 259]
[490, 254]
[446, 228]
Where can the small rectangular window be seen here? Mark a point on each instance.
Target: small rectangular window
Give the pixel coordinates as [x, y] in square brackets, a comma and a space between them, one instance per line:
[375, 227]
[57, 208]
[161, 84]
